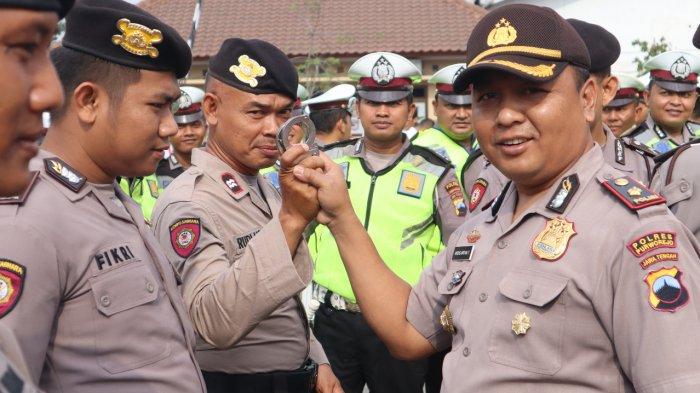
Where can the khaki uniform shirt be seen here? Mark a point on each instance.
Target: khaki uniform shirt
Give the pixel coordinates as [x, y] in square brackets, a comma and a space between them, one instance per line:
[601, 296]
[484, 187]
[677, 179]
[14, 375]
[240, 283]
[95, 304]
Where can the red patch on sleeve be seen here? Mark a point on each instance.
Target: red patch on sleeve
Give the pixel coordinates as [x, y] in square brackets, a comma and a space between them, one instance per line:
[12, 276]
[477, 194]
[184, 236]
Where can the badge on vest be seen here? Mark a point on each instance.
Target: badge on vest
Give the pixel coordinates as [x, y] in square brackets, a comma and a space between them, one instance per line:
[153, 188]
[11, 283]
[63, 172]
[553, 241]
[184, 236]
[666, 290]
[411, 184]
[561, 198]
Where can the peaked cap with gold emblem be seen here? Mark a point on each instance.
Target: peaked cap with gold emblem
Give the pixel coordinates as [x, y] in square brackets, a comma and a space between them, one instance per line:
[124, 34]
[254, 66]
[531, 42]
[60, 7]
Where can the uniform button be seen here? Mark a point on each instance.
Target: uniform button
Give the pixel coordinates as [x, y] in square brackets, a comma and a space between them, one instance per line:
[527, 293]
[607, 176]
[483, 296]
[466, 351]
[104, 300]
[684, 186]
[502, 244]
[149, 287]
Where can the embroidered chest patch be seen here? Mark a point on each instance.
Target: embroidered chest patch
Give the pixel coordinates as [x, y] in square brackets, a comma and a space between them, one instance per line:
[12, 276]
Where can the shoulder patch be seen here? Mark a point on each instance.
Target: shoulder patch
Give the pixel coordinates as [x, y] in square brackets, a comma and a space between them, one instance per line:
[12, 276]
[64, 173]
[666, 289]
[561, 198]
[19, 199]
[639, 147]
[455, 192]
[633, 193]
[429, 155]
[477, 194]
[652, 241]
[232, 184]
[184, 236]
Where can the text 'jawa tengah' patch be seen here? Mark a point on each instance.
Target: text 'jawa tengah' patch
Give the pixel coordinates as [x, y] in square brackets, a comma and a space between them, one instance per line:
[411, 184]
[552, 242]
[478, 192]
[656, 258]
[184, 235]
[666, 290]
[651, 242]
[12, 276]
[65, 174]
[455, 192]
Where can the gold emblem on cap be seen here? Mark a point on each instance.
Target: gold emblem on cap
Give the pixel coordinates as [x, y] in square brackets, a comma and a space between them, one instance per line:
[520, 324]
[502, 34]
[248, 70]
[446, 320]
[552, 242]
[137, 39]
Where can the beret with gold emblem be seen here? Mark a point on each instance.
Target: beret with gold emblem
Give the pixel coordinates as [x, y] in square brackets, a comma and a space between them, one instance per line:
[124, 34]
[254, 66]
[531, 42]
[60, 7]
[603, 47]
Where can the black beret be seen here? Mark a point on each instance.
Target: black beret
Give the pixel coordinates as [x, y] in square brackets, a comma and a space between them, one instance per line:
[60, 7]
[603, 47]
[254, 66]
[696, 38]
[532, 42]
[122, 33]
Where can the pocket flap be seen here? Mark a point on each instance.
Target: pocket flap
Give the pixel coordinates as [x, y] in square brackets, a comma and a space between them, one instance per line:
[124, 288]
[532, 287]
[454, 280]
[678, 190]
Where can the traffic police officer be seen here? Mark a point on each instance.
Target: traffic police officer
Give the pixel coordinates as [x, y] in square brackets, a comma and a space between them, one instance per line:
[577, 277]
[453, 136]
[85, 287]
[24, 102]
[330, 114]
[191, 132]
[236, 242]
[407, 196]
[144, 190]
[671, 97]
[622, 112]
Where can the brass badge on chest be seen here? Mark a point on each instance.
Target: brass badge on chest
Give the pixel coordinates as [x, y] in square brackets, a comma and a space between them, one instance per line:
[552, 242]
[446, 320]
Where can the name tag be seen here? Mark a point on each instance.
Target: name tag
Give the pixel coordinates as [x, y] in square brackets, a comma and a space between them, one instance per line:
[463, 253]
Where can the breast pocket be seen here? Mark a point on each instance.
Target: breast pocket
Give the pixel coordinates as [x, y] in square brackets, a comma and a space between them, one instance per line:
[128, 322]
[531, 303]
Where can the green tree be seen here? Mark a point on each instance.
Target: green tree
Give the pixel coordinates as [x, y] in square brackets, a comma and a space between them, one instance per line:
[649, 50]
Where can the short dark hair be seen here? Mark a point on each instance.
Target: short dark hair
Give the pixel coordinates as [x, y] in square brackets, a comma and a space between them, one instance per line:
[326, 119]
[602, 74]
[581, 75]
[74, 67]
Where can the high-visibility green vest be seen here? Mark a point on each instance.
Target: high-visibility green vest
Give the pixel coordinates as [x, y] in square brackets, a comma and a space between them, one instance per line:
[397, 208]
[143, 190]
[439, 142]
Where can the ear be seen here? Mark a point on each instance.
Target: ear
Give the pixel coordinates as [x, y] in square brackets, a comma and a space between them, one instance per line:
[588, 96]
[434, 103]
[609, 85]
[646, 95]
[210, 107]
[87, 99]
[411, 110]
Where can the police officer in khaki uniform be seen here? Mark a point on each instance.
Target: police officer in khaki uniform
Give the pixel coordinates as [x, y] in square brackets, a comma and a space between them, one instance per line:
[224, 227]
[18, 139]
[84, 285]
[577, 279]
[622, 112]
[191, 132]
[621, 153]
[671, 97]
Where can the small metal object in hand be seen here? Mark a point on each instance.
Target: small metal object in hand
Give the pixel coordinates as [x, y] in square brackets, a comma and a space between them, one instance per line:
[298, 129]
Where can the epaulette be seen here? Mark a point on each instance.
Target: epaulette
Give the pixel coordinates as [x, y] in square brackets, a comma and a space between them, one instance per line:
[64, 173]
[640, 128]
[429, 155]
[639, 147]
[632, 193]
[21, 197]
[343, 143]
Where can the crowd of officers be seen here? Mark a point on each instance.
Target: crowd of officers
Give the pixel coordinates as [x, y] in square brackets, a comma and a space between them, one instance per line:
[542, 236]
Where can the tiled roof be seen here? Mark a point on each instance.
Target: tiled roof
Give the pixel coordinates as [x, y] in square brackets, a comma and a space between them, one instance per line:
[342, 28]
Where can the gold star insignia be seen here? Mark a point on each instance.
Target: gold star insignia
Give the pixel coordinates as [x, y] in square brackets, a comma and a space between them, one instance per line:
[520, 324]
